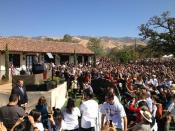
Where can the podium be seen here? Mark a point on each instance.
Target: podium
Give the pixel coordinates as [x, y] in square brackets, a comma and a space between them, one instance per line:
[37, 68]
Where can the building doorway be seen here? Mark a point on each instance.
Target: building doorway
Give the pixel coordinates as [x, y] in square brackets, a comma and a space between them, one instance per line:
[86, 60]
[64, 59]
[79, 59]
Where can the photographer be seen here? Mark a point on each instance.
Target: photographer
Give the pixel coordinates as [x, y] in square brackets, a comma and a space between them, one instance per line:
[10, 113]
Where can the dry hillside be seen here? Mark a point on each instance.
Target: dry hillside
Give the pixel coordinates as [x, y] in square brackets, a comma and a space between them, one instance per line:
[109, 43]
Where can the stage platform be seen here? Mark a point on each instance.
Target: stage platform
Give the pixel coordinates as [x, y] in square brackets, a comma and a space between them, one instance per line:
[55, 97]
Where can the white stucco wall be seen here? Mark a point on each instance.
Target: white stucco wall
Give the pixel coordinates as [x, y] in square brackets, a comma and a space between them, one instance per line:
[2, 64]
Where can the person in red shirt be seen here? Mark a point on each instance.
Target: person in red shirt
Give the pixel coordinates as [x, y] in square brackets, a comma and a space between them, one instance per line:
[142, 105]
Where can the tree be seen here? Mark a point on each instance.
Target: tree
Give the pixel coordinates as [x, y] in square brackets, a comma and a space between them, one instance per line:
[160, 32]
[123, 55]
[6, 63]
[67, 38]
[94, 44]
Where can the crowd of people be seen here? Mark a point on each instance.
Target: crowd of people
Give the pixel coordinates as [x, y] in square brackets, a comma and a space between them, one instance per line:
[138, 96]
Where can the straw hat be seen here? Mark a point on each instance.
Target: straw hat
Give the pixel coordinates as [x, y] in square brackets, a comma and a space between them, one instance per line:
[154, 76]
[146, 115]
[173, 88]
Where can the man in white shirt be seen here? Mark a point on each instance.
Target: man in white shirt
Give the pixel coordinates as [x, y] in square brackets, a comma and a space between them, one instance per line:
[154, 81]
[114, 111]
[89, 111]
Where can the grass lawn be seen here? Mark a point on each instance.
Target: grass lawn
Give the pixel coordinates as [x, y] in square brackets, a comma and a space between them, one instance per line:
[77, 99]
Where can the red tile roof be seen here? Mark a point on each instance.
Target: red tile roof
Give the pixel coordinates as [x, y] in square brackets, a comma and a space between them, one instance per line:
[41, 46]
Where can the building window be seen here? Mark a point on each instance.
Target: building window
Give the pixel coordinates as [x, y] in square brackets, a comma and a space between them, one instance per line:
[64, 59]
[15, 60]
[49, 60]
[29, 61]
[80, 59]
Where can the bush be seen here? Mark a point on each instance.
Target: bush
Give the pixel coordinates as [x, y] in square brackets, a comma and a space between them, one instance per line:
[58, 80]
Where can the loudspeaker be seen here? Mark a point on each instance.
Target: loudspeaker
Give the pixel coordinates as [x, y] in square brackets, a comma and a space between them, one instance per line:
[37, 68]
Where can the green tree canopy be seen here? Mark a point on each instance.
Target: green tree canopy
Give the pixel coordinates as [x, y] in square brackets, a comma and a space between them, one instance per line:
[160, 33]
[95, 45]
[67, 38]
[123, 55]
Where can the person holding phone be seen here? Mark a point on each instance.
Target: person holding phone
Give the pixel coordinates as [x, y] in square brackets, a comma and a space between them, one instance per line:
[37, 120]
[10, 113]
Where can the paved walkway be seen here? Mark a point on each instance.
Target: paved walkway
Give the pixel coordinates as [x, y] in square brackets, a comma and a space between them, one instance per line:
[5, 91]
[6, 87]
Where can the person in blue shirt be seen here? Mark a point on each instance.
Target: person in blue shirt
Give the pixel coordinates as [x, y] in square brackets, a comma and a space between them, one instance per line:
[42, 107]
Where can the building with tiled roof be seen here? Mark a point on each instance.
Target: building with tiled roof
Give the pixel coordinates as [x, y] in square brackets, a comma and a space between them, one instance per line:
[42, 46]
[23, 50]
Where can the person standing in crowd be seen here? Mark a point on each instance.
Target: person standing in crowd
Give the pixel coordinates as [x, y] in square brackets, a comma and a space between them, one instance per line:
[57, 122]
[114, 111]
[89, 111]
[20, 90]
[71, 114]
[141, 105]
[146, 95]
[37, 120]
[10, 113]
[88, 86]
[42, 107]
[74, 86]
[154, 81]
[146, 121]
[171, 108]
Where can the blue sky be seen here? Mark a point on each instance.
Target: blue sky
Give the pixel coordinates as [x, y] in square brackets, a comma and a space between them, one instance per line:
[117, 18]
